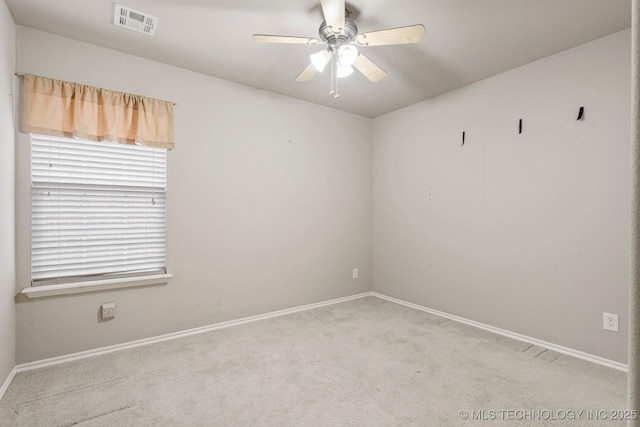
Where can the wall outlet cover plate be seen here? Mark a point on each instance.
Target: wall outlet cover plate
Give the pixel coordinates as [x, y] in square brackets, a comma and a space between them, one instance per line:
[610, 322]
[108, 310]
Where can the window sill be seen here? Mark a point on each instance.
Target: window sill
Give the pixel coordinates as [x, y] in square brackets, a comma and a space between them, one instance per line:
[94, 285]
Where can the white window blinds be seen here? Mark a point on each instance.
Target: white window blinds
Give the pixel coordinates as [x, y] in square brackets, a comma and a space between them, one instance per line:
[97, 210]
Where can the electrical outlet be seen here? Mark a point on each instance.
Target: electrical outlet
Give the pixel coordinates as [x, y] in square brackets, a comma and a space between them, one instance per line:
[355, 273]
[610, 322]
[108, 310]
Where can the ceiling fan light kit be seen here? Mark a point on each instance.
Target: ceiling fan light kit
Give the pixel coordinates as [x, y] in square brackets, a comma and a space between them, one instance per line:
[341, 36]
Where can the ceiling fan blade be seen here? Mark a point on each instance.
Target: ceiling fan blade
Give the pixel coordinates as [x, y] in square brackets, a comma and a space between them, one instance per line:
[333, 11]
[306, 74]
[402, 35]
[369, 69]
[268, 38]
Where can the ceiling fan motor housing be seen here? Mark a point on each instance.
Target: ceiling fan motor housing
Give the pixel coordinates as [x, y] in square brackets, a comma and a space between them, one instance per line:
[347, 35]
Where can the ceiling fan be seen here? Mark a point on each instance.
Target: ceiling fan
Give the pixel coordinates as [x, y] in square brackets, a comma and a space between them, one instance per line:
[341, 36]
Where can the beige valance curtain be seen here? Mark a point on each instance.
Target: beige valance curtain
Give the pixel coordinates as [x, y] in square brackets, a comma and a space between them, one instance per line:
[54, 107]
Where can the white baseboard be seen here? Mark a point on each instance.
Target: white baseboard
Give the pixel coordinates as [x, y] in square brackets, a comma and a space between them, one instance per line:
[146, 341]
[550, 346]
[7, 381]
[160, 338]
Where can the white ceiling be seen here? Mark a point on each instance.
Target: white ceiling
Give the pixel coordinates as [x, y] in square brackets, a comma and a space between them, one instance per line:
[467, 40]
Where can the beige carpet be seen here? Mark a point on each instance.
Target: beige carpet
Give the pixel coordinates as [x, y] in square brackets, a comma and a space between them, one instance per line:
[365, 362]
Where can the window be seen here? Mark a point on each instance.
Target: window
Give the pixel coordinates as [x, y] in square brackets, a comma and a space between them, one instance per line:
[97, 210]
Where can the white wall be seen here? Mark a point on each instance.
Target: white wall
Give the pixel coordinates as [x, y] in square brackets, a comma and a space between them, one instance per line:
[7, 185]
[268, 204]
[527, 232]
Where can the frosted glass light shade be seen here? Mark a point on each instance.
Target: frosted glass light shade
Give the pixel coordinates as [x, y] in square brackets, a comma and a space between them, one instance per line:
[347, 54]
[344, 70]
[320, 60]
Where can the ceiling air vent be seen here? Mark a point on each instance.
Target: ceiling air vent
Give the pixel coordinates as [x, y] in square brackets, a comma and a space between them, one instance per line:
[135, 20]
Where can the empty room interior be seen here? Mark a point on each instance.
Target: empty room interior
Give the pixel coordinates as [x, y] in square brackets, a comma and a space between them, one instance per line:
[317, 212]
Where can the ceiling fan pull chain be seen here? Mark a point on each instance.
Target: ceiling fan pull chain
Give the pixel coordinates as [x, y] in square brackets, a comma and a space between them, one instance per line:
[336, 94]
[334, 76]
